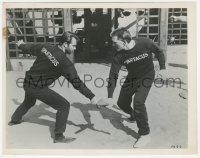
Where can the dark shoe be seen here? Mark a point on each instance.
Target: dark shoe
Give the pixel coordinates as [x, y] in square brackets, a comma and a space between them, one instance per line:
[60, 138]
[125, 121]
[142, 141]
[11, 123]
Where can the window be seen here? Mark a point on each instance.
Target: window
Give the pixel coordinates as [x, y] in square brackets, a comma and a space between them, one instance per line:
[177, 31]
[33, 26]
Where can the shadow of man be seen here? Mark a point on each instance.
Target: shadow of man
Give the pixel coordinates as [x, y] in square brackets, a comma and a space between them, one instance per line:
[85, 108]
[35, 114]
[106, 113]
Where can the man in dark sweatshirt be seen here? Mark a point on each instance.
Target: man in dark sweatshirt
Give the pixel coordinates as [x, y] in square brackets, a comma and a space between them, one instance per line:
[51, 63]
[136, 55]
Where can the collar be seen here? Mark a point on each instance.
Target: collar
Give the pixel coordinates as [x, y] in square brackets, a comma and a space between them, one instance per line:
[130, 45]
[61, 48]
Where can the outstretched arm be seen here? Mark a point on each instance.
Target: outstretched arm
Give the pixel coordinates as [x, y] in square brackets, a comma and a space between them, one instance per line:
[32, 49]
[159, 55]
[113, 76]
[71, 75]
[179, 18]
[161, 59]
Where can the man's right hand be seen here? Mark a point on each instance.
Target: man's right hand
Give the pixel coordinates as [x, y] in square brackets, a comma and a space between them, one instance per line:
[19, 42]
[102, 102]
[98, 102]
[173, 18]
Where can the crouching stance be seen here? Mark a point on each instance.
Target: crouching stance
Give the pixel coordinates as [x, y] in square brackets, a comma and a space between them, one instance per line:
[136, 55]
[51, 63]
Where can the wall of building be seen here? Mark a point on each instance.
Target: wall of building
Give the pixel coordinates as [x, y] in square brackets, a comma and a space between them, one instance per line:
[47, 25]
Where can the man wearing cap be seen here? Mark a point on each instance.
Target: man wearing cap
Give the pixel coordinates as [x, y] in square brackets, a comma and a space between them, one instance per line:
[51, 63]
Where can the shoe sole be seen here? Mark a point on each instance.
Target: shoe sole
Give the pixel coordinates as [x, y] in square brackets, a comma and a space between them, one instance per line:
[135, 145]
[66, 140]
[16, 123]
[127, 120]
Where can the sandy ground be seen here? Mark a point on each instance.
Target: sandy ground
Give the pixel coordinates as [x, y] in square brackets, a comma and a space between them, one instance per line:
[101, 129]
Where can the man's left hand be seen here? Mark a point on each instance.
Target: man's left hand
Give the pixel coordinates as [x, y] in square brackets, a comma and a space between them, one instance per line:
[162, 74]
[94, 100]
[18, 43]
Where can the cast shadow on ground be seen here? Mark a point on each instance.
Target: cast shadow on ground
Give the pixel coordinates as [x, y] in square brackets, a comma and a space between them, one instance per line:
[106, 113]
[184, 66]
[36, 112]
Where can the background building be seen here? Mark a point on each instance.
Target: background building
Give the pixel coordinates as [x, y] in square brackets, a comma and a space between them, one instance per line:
[93, 26]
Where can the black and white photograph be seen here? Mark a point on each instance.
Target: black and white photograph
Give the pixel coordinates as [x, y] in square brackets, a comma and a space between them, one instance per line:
[96, 76]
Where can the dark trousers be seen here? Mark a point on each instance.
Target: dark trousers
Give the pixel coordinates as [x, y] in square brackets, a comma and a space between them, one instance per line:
[139, 87]
[50, 98]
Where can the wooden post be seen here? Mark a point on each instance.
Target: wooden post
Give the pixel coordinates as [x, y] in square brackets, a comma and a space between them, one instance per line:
[68, 21]
[45, 23]
[112, 19]
[8, 62]
[163, 30]
[87, 27]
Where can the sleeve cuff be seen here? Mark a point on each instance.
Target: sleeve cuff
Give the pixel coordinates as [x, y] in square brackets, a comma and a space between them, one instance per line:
[162, 67]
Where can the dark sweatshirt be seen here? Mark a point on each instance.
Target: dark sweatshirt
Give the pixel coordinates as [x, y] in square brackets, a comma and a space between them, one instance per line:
[51, 63]
[137, 60]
